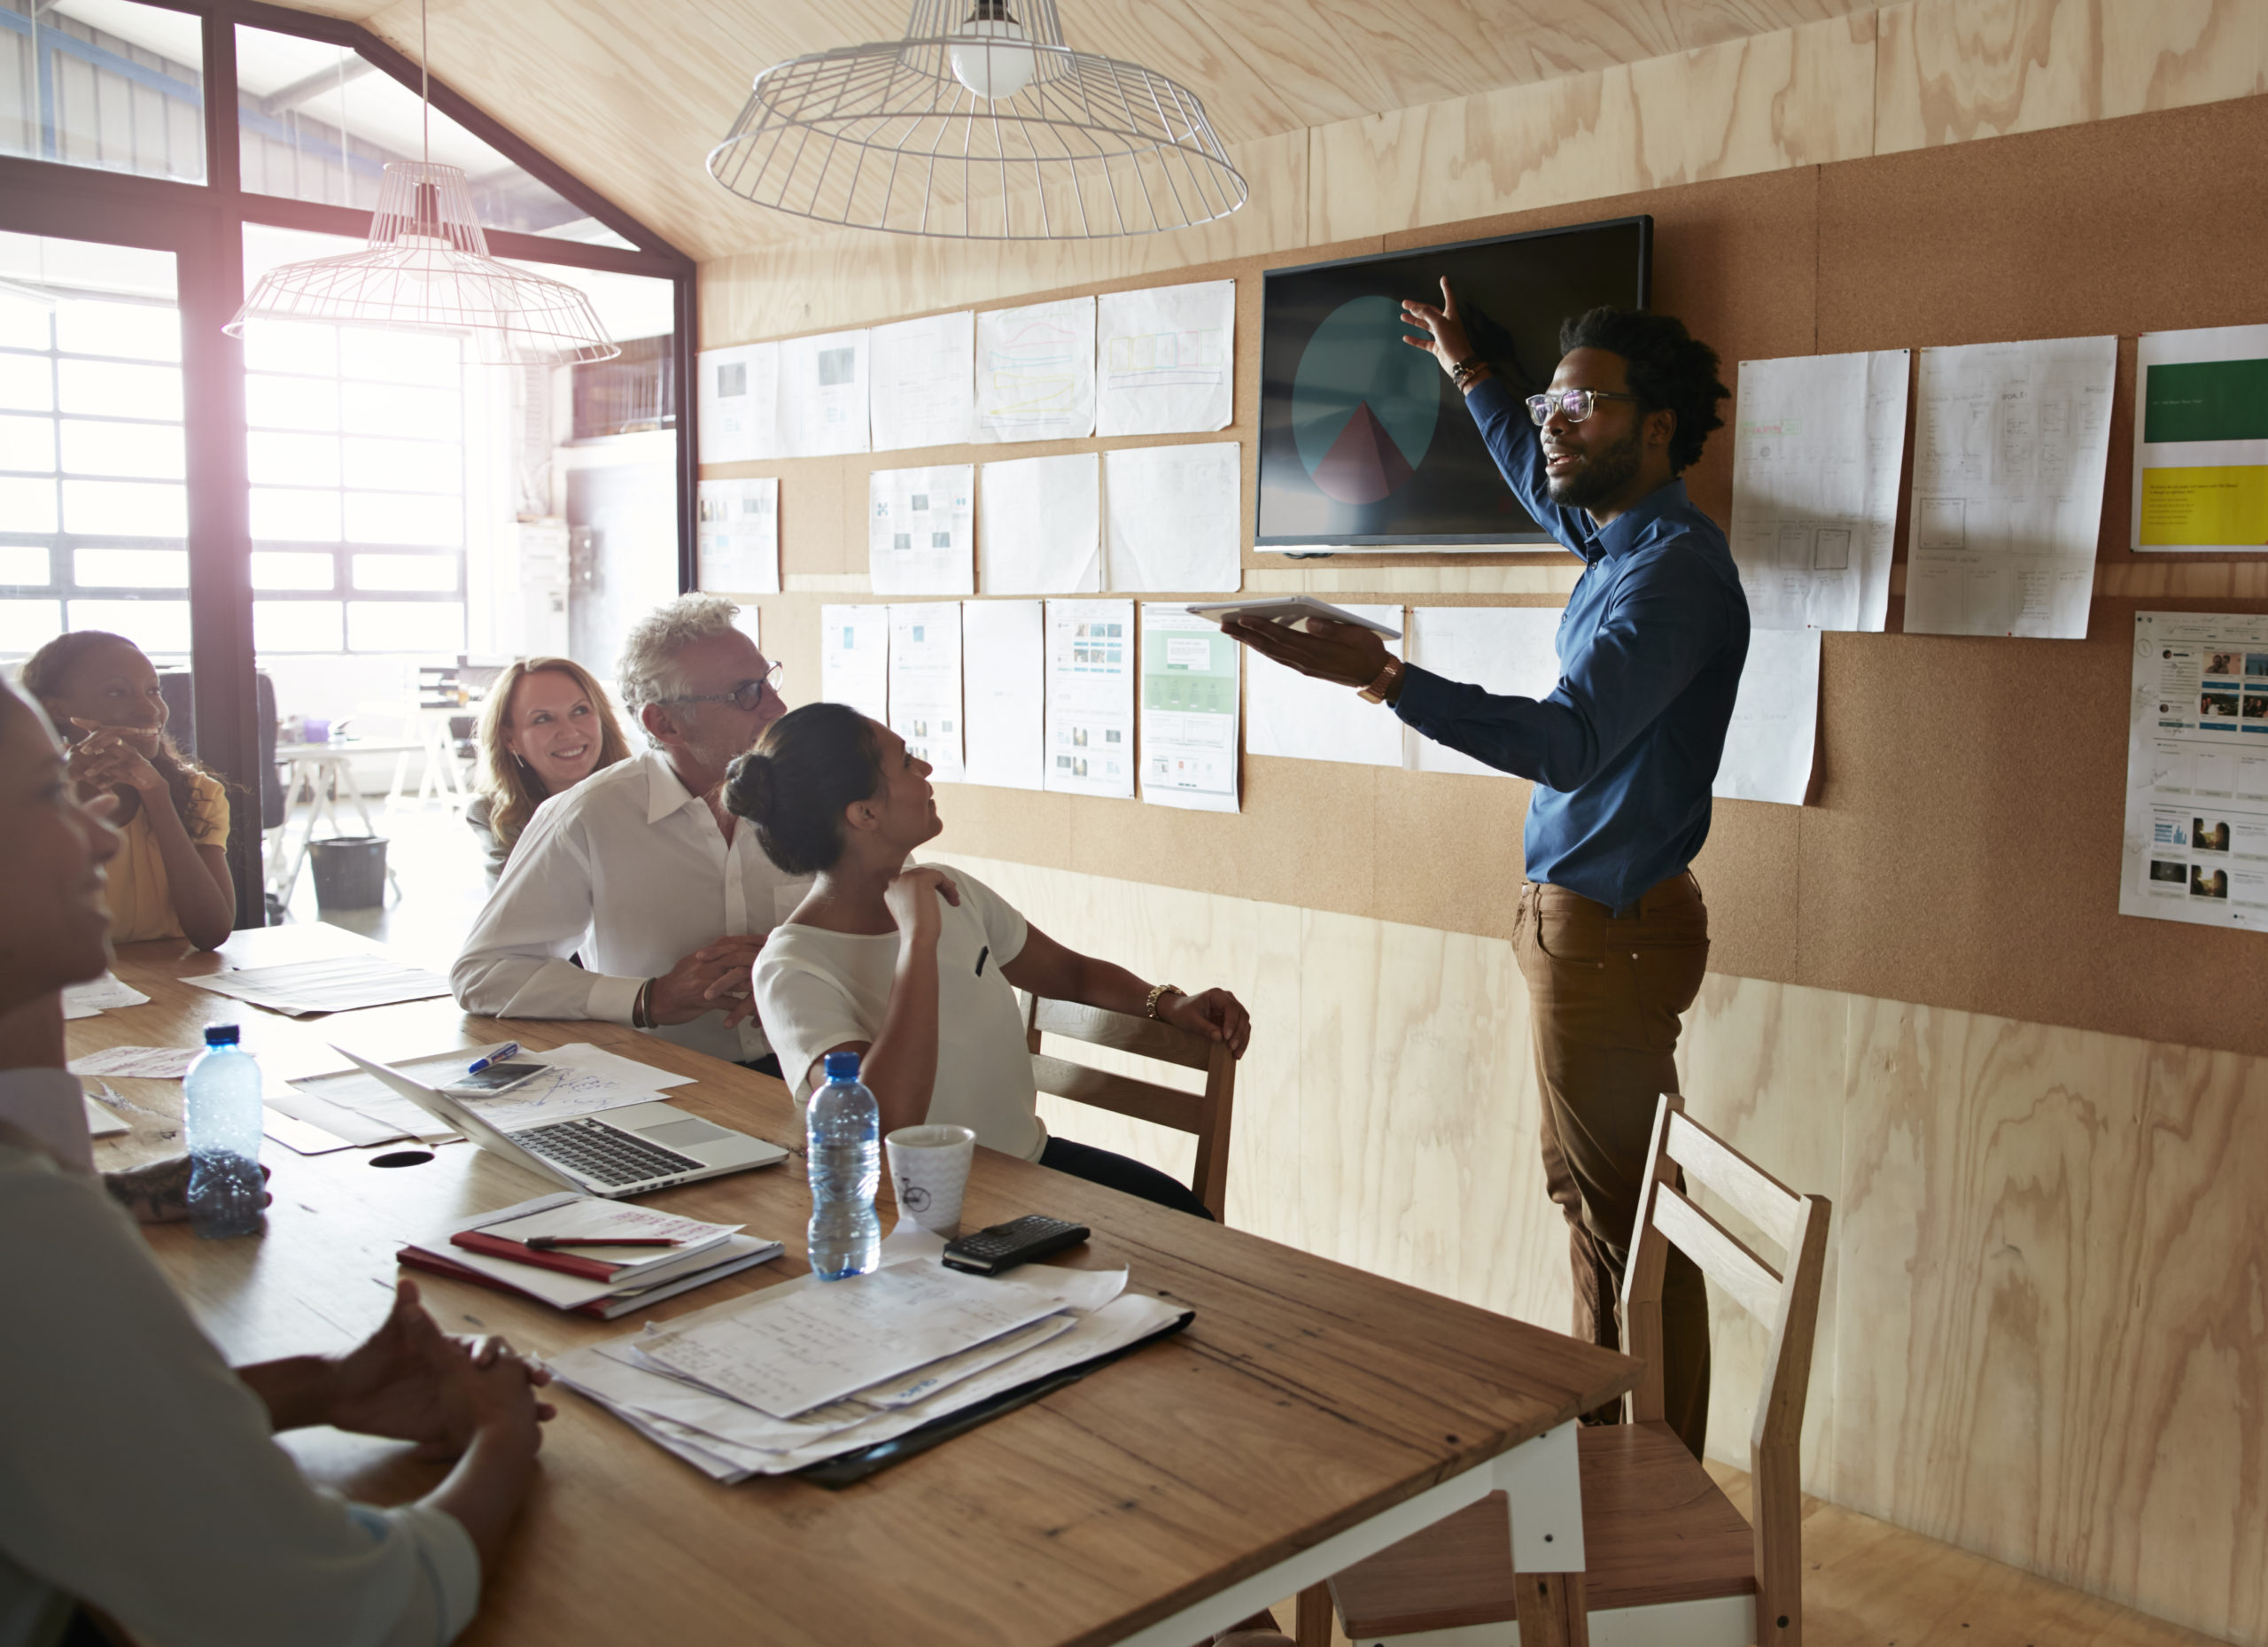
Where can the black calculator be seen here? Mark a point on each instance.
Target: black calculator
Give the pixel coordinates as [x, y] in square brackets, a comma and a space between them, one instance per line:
[1004, 1245]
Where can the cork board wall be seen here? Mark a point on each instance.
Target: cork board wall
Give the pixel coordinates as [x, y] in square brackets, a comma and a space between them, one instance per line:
[1962, 846]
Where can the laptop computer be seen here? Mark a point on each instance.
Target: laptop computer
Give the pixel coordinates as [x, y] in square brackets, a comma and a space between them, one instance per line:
[615, 1152]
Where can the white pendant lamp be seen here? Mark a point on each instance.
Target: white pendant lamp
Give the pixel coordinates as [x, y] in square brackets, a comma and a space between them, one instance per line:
[427, 270]
[980, 125]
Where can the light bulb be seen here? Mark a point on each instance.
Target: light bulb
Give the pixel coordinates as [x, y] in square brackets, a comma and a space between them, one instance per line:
[988, 53]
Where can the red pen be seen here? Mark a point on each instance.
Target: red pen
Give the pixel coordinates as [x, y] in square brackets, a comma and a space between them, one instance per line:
[547, 1243]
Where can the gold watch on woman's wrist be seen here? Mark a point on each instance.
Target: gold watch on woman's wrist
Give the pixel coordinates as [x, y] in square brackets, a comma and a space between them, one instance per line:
[1389, 677]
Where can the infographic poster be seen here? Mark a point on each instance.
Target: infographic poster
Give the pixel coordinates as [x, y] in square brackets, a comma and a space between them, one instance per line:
[2201, 440]
[2196, 845]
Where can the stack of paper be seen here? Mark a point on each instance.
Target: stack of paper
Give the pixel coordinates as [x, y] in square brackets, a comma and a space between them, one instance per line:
[345, 984]
[806, 1371]
[359, 1109]
[592, 1275]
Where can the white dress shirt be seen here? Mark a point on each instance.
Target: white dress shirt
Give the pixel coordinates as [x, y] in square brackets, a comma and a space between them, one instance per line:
[50, 1107]
[629, 869]
[138, 1473]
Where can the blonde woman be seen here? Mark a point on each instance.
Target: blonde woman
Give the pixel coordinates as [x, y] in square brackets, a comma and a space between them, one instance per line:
[548, 725]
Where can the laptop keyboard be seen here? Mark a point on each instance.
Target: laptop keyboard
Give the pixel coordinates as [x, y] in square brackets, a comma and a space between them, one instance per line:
[606, 1154]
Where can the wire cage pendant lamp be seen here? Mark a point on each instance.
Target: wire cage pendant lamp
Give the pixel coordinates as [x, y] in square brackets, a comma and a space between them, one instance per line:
[982, 124]
[427, 270]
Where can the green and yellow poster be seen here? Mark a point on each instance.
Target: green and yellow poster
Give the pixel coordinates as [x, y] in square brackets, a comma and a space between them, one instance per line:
[2201, 440]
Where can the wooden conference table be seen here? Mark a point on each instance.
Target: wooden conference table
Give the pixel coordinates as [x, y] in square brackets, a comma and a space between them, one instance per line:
[1311, 1414]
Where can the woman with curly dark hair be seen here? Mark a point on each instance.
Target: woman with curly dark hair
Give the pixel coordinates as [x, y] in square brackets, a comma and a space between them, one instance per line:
[170, 879]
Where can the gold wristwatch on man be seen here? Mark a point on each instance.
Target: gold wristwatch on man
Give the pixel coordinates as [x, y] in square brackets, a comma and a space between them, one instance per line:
[1384, 688]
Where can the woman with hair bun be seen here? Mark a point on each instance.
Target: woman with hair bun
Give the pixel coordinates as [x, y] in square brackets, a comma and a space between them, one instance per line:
[915, 968]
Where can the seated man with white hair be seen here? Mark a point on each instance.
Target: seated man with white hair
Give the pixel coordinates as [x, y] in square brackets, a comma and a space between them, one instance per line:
[640, 869]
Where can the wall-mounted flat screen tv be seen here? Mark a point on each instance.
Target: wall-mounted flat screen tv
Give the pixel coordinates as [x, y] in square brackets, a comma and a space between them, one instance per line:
[1363, 440]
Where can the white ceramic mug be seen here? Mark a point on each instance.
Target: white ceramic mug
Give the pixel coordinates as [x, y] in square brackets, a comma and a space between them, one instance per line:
[929, 1168]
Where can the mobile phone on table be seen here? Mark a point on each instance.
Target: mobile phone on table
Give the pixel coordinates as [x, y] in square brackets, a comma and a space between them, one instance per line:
[494, 1079]
[1004, 1246]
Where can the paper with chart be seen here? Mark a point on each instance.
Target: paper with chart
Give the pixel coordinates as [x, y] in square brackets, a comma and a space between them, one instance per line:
[925, 683]
[1003, 693]
[1513, 652]
[921, 530]
[1175, 517]
[1090, 697]
[1043, 525]
[739, 537]
[1815, 460]
[2196, 845]
[1035, 372]
[2010, 440]
[922, 381]
[2201, 440]
[738, 403]
[854, 658]
[1299, 717]
[1769, 745]
[1165, 359]
[823, 395]
[1189, 711]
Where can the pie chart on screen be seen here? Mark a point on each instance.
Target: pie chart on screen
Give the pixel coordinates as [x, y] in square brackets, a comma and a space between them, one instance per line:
[1364, 402]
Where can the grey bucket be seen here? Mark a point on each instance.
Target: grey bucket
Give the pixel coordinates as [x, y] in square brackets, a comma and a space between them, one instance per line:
[350, 872]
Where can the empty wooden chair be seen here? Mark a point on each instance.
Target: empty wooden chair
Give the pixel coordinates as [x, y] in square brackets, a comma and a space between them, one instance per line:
[1205, 1113]
[1670, 1562]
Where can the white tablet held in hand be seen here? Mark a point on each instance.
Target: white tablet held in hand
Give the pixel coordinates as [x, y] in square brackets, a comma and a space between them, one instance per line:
[1289, 609]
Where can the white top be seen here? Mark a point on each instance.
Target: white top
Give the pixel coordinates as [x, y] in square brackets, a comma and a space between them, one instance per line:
[816, 989]
[628, 869]
[136, 1472]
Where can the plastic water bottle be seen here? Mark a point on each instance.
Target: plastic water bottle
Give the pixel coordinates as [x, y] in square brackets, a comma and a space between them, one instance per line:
[843, 1129]
[220, 1101]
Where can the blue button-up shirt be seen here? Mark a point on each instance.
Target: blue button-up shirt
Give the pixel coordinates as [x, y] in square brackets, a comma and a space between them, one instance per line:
[1624, 750]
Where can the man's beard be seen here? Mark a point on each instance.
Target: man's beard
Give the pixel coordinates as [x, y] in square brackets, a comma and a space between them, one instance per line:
[713, 745]
[1601, 475]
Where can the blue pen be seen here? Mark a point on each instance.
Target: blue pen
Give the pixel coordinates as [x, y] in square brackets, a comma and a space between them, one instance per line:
[496, 1057]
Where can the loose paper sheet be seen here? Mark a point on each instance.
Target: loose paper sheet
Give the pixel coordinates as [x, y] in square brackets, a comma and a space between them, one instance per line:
[345, 984]
[1003, 693]
[1042, 525]
[1035, 372]
[823, 395]
[738, 401]
[2010, 444]
[921, 530]
[1176, 517]
[102, 1121]
[1090, 697]
[1189, 711]
[1768, 747]
[854, 658]
[1815, 461]
[1165, 358]
[99, 995]
[139, 1063]
[1511, 650]
[1300, 717]
[925, 683]
[922, 382]
[739, 536]
[2201, 440]
[2197, 846]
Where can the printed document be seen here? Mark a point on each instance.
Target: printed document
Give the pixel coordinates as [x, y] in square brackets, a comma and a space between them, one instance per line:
[1815, 460]
[1035, 372]
[1769, 745]
[823, 395]
[738, 400]
[1165, 358]
[922, 377]
[1189, 711]
[1003, 693]
[854, 658]
[99, 995]
[1090, 697]
[921, 530]
[2010, 444]
[739, 537]
[1042, 520]
[344, 984]
[1175, 517]
[925, 683]
[2196, 783]
[1300, 717]
[2201, 440]
[1513, 652]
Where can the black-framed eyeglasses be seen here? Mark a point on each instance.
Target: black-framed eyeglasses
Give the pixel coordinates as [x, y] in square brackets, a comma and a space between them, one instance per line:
[1575, 404]
[747, 695]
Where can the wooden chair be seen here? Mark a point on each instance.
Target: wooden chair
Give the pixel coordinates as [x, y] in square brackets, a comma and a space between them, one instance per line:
[1668, 1559]
[1206, 1113]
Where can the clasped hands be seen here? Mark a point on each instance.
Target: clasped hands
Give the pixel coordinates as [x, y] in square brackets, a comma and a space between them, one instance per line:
[114, 758]
[716, 975]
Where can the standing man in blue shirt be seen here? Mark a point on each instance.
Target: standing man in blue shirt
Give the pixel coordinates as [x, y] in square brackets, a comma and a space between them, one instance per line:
[1611, 933]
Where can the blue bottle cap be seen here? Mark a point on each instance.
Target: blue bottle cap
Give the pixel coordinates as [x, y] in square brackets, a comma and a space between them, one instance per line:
[843, 1066]
[220, 1035]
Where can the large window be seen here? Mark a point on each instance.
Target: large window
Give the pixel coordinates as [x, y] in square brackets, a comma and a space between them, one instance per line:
[105, 83]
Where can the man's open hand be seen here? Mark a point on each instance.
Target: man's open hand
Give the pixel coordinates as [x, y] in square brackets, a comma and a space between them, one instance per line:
[1346, 654]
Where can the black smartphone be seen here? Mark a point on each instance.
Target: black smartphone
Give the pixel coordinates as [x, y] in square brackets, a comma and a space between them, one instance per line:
[494, 1079]
[1004, 1245]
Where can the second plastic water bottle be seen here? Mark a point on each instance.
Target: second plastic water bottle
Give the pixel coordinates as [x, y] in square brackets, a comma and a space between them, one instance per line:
[842, 1129]
[222, 1104]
